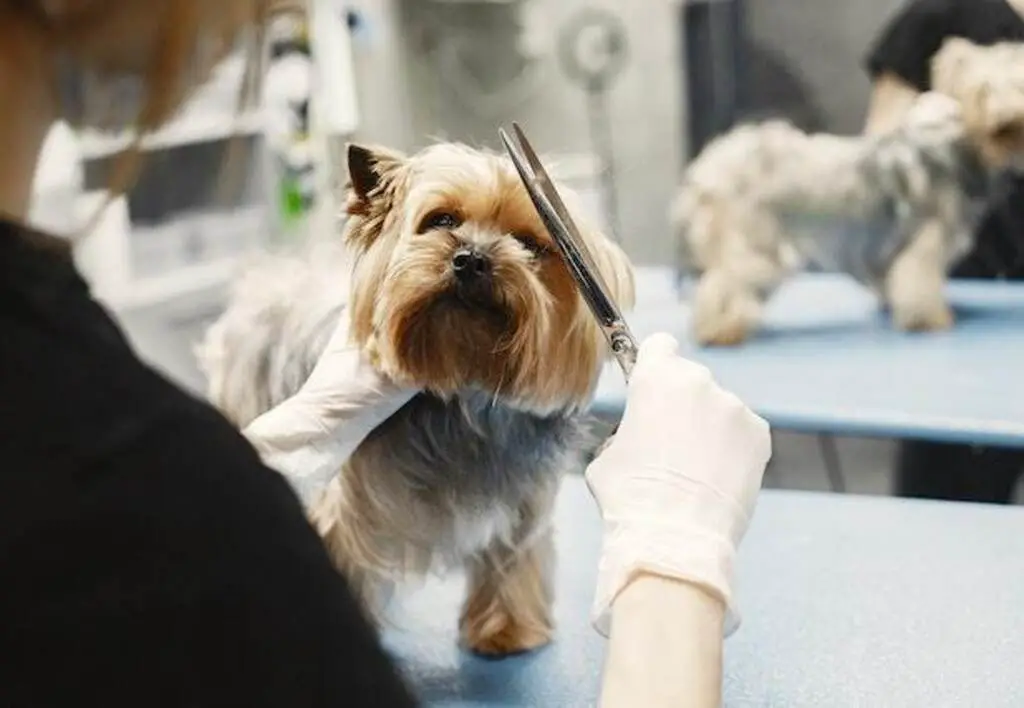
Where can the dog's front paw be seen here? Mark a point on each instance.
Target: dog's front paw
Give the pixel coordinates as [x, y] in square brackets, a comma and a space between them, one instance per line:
[725, 311]
[725, 334]
[931, 319]
[499, 634]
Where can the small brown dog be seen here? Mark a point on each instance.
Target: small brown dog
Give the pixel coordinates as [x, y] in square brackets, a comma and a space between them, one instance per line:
[457, 289]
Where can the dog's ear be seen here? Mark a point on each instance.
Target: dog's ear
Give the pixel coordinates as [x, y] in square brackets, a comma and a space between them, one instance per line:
[950, 65]
[375, 183]
[370, 169]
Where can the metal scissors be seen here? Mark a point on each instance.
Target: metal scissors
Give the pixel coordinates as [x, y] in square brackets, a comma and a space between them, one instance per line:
[574, 251]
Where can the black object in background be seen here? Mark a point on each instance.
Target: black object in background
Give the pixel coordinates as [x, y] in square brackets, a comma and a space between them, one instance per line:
[712, 60]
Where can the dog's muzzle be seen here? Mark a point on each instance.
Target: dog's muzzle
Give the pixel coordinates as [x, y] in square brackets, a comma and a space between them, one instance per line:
[470, 266]
[473, 272]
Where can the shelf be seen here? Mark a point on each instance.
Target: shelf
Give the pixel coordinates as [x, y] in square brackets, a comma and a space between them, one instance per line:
[186, 130]
[190, 281]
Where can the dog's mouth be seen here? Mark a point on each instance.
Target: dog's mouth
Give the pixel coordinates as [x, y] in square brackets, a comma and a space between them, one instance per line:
[457, 339]
[477, 300]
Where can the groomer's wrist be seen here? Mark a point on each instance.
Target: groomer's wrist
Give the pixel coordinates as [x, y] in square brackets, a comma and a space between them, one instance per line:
[672, 550]
[669, 550]
[649, 591]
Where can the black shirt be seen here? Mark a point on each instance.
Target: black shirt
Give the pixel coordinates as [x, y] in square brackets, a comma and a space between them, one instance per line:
[907, 44]
[147, 557]
[904, 49]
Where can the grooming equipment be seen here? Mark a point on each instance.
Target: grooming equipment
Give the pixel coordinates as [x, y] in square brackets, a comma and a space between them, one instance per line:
[565, 234]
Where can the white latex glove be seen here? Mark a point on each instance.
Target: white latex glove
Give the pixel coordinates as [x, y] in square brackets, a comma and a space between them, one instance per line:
[308, 437]
[678, 484]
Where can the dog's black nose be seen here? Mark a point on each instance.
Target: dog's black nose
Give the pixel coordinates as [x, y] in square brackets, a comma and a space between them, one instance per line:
[469, 265]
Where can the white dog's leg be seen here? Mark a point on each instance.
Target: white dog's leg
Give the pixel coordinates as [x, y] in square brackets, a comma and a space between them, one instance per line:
[726, 307]
[915, 283]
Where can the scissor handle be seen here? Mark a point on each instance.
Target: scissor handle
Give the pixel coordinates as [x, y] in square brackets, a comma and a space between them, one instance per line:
[623, 346]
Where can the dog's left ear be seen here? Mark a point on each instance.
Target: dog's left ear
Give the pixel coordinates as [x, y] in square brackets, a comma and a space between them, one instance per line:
[370, 169]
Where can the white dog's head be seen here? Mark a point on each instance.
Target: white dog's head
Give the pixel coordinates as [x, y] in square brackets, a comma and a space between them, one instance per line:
[988, 84]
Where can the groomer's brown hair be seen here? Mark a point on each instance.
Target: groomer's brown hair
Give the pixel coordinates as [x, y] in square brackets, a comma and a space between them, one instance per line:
[159, 39]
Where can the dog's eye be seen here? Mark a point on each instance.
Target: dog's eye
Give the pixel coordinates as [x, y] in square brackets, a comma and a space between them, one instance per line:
[531, 244]
[440, 220]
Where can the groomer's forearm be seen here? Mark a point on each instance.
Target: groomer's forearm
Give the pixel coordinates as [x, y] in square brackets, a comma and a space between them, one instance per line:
[891, 98]
[665, 647]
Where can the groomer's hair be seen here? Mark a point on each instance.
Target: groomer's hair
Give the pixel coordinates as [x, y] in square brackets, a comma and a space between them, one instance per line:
[82, 27]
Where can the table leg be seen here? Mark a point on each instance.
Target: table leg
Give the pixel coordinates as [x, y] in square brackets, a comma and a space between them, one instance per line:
[833, 466]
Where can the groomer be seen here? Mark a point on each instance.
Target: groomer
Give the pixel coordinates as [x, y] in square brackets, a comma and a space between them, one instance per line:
[148, 557]
[899, 63]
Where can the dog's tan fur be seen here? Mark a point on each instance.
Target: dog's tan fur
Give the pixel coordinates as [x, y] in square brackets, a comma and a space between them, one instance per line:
[529, 348]
[398, 276]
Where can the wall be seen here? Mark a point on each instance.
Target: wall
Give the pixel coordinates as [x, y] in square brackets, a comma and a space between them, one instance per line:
[807, 65]
[405, 101]
[823, 44]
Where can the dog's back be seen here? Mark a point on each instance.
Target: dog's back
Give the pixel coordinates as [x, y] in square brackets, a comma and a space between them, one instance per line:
[726, 187]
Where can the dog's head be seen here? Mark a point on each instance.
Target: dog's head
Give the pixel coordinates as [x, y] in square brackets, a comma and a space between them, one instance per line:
[988, 83]
[458, 284]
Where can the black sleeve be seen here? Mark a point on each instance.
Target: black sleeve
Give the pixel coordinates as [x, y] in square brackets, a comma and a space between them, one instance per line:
[185, 575]
[996, 251]
[905, 46]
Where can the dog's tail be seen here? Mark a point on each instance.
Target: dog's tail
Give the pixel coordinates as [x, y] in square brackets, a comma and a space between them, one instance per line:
[280, 314]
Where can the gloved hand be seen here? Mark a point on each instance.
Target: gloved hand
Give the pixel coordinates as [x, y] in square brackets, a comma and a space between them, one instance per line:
[308, 437]
[678, 483]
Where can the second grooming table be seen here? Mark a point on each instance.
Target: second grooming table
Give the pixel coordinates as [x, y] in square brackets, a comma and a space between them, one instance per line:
[826, 360]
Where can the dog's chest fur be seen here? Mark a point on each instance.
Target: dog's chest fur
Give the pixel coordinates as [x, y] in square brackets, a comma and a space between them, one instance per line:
[465, 466]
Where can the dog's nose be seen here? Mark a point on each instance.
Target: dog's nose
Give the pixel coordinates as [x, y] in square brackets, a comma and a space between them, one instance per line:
[470, 264]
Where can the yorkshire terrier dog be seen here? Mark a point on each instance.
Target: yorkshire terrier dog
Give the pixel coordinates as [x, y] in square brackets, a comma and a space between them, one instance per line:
[455, 287]
[894, 211]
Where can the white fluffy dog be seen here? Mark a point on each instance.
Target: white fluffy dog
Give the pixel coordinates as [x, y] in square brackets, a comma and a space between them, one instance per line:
[894, 211]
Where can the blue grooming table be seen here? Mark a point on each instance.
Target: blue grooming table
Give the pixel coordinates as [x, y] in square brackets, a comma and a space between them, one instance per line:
[846, 601]
[826, 360]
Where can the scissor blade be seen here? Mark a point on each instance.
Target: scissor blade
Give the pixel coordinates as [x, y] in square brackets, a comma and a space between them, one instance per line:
[588, 279]
[547, 188]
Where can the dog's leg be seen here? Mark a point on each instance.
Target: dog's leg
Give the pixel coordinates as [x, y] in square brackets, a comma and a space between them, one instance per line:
[915, 283]
[508, 609]
[726, 308]
[346, 547]
[744, 255]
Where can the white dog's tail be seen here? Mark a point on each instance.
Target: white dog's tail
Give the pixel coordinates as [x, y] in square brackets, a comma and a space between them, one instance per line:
[280, 314]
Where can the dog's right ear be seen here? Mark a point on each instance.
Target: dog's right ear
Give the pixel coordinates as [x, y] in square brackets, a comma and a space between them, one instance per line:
[370, 169]
[950, 65]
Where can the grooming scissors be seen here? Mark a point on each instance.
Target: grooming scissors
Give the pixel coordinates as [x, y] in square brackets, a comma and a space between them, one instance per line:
[574, 251]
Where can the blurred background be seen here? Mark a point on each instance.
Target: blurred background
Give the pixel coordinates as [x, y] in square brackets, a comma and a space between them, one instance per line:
[622, 92]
